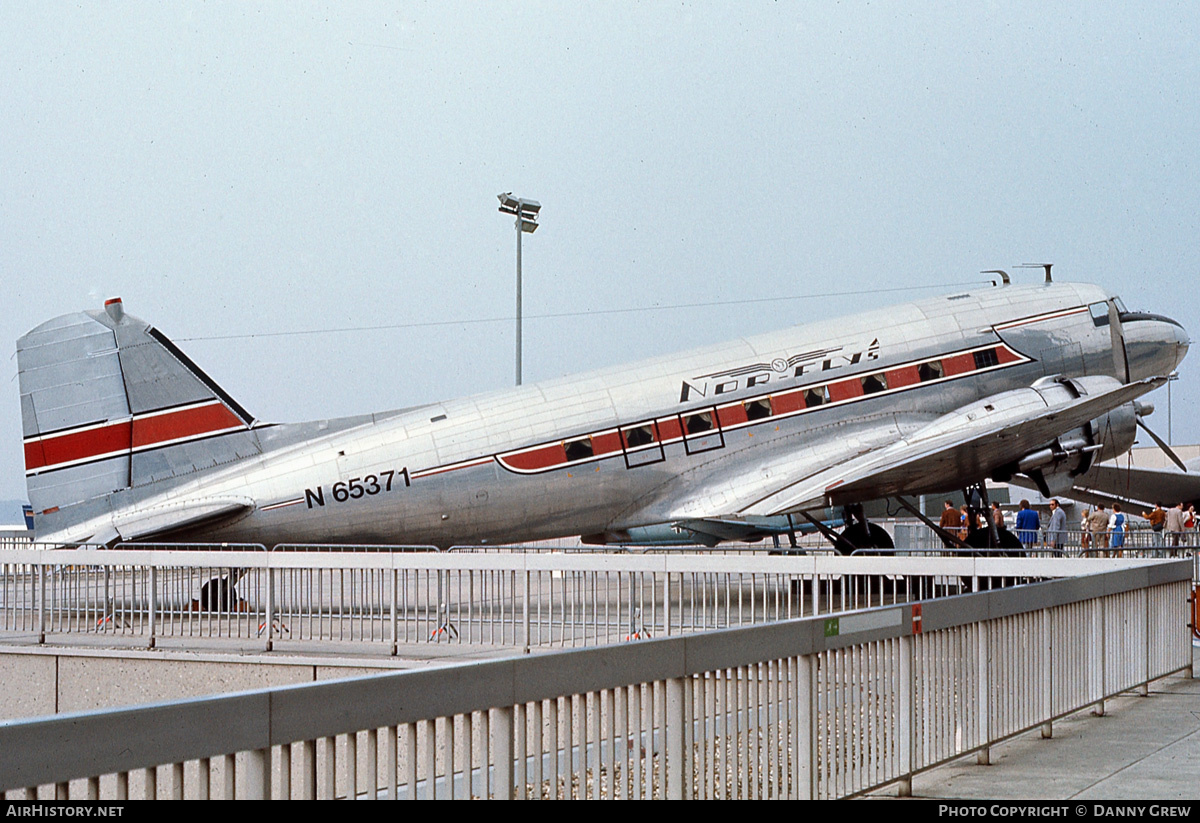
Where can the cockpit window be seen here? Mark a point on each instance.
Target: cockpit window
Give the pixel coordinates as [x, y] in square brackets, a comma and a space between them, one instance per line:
[1120, 305]
[1099, 313]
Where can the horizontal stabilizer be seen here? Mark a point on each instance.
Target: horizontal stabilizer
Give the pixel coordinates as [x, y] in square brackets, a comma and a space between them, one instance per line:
[140, 524]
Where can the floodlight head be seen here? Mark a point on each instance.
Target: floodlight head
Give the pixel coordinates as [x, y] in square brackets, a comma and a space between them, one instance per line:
[526, 209]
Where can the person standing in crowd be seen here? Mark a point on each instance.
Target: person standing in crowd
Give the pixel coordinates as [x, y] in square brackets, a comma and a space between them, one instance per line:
[998, 516]
[1189, 526]
[1028, 524]
[1056, 529]
[1175, 525]
[1097, 522]
[1085, 539]
[964, 522]
[950, 522]
[1116, 528]
[1158, 519]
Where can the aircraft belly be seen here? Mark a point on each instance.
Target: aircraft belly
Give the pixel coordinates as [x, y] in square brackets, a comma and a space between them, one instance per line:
[467, 506]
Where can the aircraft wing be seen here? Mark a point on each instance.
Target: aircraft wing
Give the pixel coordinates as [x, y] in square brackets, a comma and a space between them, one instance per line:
[935, 457]
[956, 449]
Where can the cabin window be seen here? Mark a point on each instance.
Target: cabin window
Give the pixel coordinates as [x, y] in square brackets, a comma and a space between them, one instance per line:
[638, 436]
[873, 383]
[697, 423]
[930, 371]
[986, 358]
[578, 449]
[758, 409]
[816, 396]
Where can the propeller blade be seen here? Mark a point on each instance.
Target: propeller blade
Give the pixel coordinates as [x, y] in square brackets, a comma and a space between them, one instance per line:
[1162, 445]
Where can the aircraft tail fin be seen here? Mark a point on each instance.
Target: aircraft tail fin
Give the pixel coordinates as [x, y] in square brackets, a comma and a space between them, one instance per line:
[110, 405]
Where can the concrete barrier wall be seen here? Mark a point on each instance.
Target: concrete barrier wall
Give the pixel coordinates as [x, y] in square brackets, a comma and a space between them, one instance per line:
[54, 681]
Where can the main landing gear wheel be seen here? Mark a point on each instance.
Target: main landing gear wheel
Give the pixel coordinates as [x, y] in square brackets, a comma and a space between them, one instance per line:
[978, 539]
[867, 536]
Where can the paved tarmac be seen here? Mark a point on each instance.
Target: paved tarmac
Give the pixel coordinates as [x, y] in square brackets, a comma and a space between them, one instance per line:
[1141, 748]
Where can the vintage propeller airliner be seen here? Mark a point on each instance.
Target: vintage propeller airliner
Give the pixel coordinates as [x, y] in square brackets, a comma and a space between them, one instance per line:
[127, 439]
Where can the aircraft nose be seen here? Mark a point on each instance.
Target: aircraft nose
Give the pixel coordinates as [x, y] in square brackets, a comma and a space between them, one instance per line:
[1176, 338]
[1182, 343]
[1155, 344]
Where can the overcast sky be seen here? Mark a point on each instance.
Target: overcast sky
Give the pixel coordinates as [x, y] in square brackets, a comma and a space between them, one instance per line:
[230, 169]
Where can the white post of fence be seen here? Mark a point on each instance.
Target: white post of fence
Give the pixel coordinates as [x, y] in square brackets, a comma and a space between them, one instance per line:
[673, 721]
[1047, 674]
[41, 603]
[502, 745]
[152, 601]
[904, 723]
[394, 617]
[308, 770]
[258, 774]
[525, 611]
[1144, 689]
[666, 603]
[520, 736]
[804, 738]
[1100, 659]
[984, 692]
[327, 787]
[269, 617]
[689, 735]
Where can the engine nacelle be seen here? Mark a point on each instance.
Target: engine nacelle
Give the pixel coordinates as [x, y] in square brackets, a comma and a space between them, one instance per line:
[1054, 467]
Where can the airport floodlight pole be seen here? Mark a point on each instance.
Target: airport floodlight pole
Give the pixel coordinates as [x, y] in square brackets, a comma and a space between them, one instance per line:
[526, 212]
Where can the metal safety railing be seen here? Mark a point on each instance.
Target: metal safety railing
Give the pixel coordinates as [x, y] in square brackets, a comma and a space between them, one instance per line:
[395, 598]
[810, 708]
[917, 535]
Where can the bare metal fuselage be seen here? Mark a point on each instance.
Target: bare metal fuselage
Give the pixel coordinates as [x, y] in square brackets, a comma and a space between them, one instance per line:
[668, 438]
